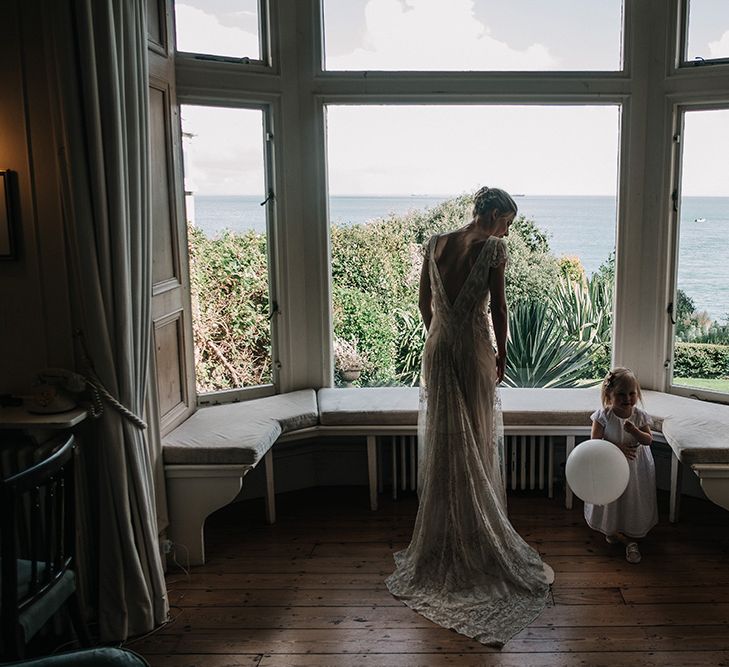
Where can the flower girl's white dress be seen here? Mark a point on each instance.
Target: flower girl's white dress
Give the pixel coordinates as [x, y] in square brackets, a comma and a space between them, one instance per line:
[636, 511]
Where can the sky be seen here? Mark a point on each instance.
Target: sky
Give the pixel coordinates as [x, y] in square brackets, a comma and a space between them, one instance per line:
[567, 150]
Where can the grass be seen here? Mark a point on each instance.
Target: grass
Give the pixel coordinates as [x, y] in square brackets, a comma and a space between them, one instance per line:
[713, 384]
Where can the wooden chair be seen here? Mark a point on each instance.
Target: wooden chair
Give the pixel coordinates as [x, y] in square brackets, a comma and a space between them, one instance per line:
[37, 538]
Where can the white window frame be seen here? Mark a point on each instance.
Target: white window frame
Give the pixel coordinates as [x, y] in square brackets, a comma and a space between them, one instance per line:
[265, 63]
[320, 38]
[681, 28]
[649, 88]
[234, 394]
[679, 112]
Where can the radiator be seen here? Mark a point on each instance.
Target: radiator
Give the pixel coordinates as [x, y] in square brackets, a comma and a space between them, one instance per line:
[528, 462]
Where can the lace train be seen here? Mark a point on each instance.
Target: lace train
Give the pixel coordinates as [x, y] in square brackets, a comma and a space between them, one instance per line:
[466, 568]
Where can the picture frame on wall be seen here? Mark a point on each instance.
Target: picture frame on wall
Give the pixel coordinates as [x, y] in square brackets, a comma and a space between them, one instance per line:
[7, 240]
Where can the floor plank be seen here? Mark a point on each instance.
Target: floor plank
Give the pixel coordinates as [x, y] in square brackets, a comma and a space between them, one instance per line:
[309, 591]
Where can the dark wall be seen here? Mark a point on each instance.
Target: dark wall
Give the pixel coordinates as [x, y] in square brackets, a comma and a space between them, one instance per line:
[35, 326]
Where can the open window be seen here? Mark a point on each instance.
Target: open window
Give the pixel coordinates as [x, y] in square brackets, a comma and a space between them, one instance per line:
[705, 34]
[226, 31]
[700, 309]
[229, 238]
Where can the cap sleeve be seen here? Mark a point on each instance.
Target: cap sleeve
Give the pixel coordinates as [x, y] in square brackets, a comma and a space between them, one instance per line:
[600, 417]
[499, 252]
[426, 247]
[642, 418]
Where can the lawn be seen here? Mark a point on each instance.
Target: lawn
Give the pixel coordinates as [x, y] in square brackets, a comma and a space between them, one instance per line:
[713, 384]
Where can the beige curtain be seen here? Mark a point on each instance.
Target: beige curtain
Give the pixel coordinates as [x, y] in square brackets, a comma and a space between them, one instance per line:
[97, 54]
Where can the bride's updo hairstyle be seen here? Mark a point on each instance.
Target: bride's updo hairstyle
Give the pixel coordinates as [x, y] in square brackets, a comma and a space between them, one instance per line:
[487, 199]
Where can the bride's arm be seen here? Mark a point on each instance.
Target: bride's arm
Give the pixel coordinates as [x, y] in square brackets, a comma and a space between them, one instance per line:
[499, 316]
[425, 295]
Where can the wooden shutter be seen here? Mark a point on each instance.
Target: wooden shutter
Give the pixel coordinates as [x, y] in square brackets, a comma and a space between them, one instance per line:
[171, 315]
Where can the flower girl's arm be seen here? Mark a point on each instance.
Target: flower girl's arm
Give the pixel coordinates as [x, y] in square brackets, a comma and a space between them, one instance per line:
[643, 434]
[598, 430]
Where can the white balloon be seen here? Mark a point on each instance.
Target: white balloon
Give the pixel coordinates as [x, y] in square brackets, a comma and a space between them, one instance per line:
[597, 471]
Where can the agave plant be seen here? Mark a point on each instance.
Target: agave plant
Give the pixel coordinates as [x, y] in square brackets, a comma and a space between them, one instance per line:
[541, 354]
[584, 308]
[410, 342]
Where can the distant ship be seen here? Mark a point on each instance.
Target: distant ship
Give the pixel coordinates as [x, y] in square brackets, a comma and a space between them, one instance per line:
[699, 219]
[519, 194]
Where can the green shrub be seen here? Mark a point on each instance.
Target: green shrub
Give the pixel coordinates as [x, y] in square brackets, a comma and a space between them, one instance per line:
[701, 360]
[410, 343]
[532, 271]
[230, 304]
[375, 275]
[359, 316]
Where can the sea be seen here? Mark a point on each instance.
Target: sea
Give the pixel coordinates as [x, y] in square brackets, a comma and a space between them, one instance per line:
[580, 226]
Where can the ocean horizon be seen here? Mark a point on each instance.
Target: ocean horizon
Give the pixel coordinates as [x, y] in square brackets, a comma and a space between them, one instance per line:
[580, 226]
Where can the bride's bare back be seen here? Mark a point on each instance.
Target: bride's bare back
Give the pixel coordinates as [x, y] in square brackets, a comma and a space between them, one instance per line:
[455, 254]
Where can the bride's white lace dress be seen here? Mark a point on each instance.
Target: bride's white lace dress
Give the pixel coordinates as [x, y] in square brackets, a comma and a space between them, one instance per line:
[466, 567]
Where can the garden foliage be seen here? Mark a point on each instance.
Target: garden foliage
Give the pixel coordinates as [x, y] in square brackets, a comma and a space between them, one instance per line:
[560, 321]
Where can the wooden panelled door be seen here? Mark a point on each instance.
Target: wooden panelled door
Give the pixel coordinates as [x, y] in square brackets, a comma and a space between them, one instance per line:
[171, 314]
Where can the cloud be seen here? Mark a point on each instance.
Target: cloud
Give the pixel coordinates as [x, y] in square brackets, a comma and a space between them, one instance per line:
[720, 48]
[447, 149]
[224, 155]
[200, 32]
[435, 35]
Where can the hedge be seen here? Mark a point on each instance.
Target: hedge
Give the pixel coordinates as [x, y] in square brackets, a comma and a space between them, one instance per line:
[701, 360]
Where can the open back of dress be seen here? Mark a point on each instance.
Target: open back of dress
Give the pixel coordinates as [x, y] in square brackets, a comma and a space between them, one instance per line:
[466, 567]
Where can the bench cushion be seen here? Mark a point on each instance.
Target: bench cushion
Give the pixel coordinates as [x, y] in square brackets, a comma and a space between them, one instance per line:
[239, 433]
[398, 406]
[697, 431]
[378, 406]
[549, 407]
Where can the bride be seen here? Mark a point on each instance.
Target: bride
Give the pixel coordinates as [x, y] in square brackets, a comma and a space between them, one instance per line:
[466, 567]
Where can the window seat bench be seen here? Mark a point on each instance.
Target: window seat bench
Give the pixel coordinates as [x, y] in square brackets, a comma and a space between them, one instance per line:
[208, 455]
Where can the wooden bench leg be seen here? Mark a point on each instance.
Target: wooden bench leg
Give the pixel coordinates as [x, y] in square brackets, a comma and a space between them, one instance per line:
[394, 466]
[372, 469]
[413, 462]
[550, 469]
[675, 498]
[379, 465]
[532, 461]
[541, 463]
[570, 445]
[523, 464]
[403, 464]
[270, 487]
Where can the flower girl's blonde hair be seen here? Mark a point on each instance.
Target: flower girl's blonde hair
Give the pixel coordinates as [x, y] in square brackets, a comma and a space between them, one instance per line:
[618, 378]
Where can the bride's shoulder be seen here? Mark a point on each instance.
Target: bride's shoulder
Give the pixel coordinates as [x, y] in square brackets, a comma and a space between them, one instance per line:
[497, 250]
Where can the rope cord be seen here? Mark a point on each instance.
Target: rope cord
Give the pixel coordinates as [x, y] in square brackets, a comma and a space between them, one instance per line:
[99, 391]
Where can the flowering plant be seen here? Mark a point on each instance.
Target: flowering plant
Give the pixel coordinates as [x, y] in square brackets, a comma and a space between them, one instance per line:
[346, 355]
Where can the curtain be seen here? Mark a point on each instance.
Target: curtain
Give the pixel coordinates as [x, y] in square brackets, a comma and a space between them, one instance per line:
[97, 55]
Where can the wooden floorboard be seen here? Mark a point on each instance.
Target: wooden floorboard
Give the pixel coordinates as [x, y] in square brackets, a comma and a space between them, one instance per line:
[309, 591]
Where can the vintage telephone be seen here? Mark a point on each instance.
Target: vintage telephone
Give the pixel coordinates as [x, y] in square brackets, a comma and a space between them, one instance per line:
[56, 391]
[59, 390]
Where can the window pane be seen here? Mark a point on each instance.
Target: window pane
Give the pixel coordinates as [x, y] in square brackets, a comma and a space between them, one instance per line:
[491, 35]
[218, 27]
[701, 352]
[224, 185]
[708, 30]
[389, 191]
